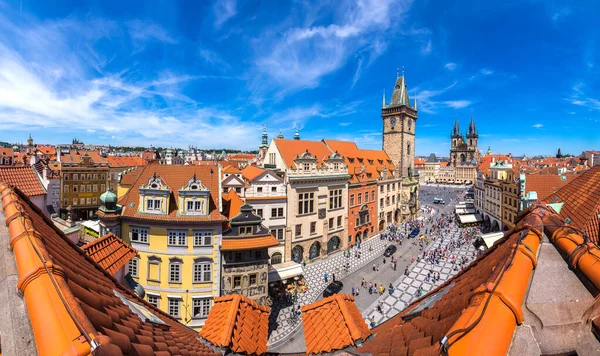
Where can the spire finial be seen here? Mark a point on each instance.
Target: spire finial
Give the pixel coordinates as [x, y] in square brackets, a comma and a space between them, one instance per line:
[403, 71]
[397, 72]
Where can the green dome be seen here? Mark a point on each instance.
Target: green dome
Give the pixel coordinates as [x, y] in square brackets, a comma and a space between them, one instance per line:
[16, 148]
[108, 197]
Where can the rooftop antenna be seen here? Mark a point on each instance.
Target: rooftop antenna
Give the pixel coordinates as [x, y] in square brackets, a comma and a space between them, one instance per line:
[398, 72]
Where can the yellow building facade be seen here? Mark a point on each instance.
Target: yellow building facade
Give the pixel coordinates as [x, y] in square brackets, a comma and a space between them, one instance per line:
[172, 216]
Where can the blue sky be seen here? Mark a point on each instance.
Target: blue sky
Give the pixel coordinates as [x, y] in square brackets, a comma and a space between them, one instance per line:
[173, 73]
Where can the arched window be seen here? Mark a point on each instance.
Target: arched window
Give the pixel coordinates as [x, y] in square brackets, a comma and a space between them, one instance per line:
[276, 258]
[408, 148]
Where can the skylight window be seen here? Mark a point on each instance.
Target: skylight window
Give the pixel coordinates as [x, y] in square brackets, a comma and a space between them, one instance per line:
[140, 310]
[427, 303]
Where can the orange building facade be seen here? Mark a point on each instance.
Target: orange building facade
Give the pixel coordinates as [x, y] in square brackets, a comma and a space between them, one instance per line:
[362, 209]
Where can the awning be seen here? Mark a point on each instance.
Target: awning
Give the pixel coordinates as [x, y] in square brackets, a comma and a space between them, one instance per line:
[489, 239]
[284, 271]
[470, 218]
[463, 211]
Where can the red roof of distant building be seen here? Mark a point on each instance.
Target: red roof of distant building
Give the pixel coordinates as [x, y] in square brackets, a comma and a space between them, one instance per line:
[23, 178]
[252, 172]
[7, 152]
[289, 149]
[546, 184]
[126, 161]
[110, 252]
[129, 177]
[75, 156]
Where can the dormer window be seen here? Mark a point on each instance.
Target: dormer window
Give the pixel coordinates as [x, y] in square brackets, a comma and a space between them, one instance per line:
[306, 167]
[370, 161]
[336, 166]
[245, 230]
[153, 204]
[193, 198]
[195, 206]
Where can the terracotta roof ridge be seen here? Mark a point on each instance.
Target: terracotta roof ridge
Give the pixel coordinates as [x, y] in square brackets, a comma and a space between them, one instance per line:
[341, 300]
[229, 323]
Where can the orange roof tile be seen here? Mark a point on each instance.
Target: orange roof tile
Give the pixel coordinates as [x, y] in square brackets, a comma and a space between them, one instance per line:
[546, 184]
[230, 170]
[289, 149]
[126, 161]
[75, 156]
[23, 178]
[247, 243]
[88, 306]
[110, 252]
[232, 204]
[371, 162]
[175, 177]
[238, 323]
[47, 150]
[581, 198]
[129, 177]
[333, 324]
[252, 172]
[9, 152]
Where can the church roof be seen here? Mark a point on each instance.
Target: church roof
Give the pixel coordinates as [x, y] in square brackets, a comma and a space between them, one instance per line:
[400, 94]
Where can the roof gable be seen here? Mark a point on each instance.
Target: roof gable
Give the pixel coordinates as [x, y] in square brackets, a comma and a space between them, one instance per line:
[23, 178]
[110, 252]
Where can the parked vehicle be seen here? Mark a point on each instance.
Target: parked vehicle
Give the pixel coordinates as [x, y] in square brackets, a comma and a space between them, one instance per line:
[438, 201]
[333, 288]
[414, 233]
[390, 250]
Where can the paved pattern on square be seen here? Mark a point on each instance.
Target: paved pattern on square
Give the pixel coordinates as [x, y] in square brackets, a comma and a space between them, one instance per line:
[406, 287]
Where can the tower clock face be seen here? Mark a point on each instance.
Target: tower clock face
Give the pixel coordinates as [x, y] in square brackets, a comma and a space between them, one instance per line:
[393, 121]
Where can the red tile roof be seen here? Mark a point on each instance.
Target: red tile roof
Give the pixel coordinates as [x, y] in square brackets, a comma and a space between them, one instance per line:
[47, 150]
[230, 170]
[23, 178]
[129, 177]
[581, 198]
[6, 152]
[89, 305]
[289, 149]
[126, 161]
[75, 156]
[546, 184]
[252, 172]
[333, 324]
[248, 243]
[175, 177]
[238, 323]
[110, 252]
[371, 162]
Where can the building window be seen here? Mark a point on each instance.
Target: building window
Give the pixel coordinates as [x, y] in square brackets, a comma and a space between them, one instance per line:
[89, 177]
[359, 198]
[381, 188]
[352, 200]
[381, 202]
[81, 201]
[393, 199]
[259, 189]
[202, 272]
[259, 212]
[89, 188]
[133, 267]
[331, 224]
[153, 204]
[313, 227]
[94, 200]
[75, 176]
[175, 272]
[277, 212]
[66, 188]
[339, 221]
[66, 176]
[306, 203]
[74, 189]
[74, 201]
[152, 299]
[174, 307]
[95, 177]
[237, 281]
[335, 198]
[102, 177]
[372, 195]
[95, 188]
[279, 234]
[201, 307]
[252, 279]
[103, 187]
[273, 189]
[66, 202]
[306, 167]
[138, 235]
[245, 230]
[202, 238]
[177, 238]
[276, 258]
[88, 201]
[299, 229]
[194, 206]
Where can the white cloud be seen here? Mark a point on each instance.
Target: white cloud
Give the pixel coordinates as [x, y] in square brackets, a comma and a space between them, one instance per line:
[344, 124]
[223, 11]
[141, 32]
[48, 81]
[580, 98]
[450, 66]
[486, 71]
[457, 104]
[300, 56]
[357, 72]
[426, 48]
[538, 126]
[214, 59]
[560, 14]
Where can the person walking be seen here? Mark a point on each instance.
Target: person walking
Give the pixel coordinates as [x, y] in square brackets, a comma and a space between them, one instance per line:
[325, 275]
[304, 262]
[333, 276]
[353, 291]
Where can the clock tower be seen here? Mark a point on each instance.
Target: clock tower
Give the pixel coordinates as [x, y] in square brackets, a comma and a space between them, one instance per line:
[399, 124]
